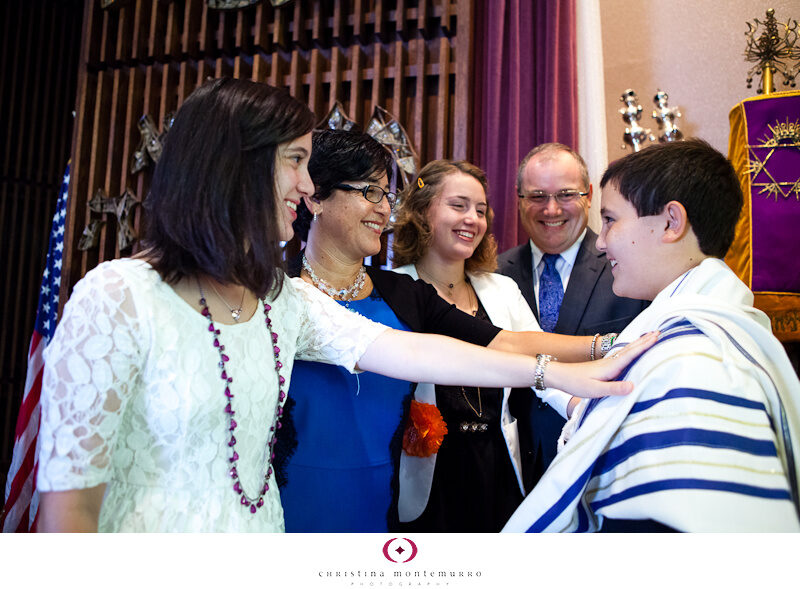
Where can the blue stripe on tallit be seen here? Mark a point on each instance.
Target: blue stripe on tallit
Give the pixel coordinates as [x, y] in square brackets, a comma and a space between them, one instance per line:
[575, 489]
[672, 335]
[681, 437]
[666, 326]
[650, 442]
[662, 338]
[583, 519]
[784, 433]
[704, 484]
[699, 394]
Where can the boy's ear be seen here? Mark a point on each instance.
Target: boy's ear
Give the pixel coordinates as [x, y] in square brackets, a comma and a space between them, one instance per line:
[676, 220]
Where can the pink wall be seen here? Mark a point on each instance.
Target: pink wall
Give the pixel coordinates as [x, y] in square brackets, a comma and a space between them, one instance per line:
[692, 49]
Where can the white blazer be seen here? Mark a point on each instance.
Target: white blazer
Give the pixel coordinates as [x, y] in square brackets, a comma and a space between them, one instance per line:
[507, 309]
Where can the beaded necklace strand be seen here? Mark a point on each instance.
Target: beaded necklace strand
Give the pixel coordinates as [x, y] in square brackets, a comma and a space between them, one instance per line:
[254, 503]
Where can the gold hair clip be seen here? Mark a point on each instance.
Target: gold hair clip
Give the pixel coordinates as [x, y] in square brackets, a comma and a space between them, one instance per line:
[420, 183]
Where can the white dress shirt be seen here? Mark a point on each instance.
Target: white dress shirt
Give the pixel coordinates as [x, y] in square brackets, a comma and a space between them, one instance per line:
[564, 264]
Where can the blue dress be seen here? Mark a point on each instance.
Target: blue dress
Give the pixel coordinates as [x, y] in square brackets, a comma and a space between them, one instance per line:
[338, 477]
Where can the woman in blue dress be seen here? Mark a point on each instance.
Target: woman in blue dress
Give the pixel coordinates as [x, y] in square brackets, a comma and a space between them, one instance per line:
[337, 449]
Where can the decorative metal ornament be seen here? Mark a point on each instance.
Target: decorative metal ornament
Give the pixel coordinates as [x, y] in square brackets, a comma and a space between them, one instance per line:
[126, 236]
[234, 4]
[772, 51]
[122, 208]
[106, 4]
[151, 143]
[90, 237]
[387, 131]
[230, 4]
[635, 135]
[665, 117]
[337, 120]
[101, 204]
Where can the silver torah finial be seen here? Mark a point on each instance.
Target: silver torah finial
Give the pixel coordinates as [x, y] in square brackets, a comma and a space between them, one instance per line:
[665, 116]
[635, 135]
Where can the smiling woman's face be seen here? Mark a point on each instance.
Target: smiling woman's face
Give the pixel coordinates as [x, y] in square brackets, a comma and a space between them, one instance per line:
[292, 181]
[457, 217]
[350, 223]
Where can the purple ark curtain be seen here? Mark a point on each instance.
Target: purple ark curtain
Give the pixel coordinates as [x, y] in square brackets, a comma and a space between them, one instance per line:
[526, 93]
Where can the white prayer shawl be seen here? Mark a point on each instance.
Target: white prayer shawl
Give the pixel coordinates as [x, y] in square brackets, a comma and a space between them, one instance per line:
[703, 443]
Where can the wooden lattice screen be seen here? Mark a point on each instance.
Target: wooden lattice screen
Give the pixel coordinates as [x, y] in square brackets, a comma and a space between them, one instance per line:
[410, 57]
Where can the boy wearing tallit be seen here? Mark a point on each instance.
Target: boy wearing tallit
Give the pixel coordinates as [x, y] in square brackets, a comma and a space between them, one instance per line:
[705, 441]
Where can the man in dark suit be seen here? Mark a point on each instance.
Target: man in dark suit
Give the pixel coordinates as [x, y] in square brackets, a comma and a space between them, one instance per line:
[565, 279]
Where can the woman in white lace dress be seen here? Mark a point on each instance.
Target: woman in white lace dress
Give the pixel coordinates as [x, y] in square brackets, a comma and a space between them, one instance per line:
[166, 378]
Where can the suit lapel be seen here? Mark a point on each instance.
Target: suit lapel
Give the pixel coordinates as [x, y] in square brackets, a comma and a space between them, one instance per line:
[522, 273]
[586, 272]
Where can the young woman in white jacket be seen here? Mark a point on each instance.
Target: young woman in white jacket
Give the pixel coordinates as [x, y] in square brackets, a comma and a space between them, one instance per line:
[442, 236]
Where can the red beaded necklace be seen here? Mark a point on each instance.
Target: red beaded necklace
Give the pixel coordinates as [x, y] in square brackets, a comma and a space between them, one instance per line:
[253, 503]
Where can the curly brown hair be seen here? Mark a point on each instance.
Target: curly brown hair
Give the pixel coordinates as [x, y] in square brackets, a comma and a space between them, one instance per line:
[412, 234]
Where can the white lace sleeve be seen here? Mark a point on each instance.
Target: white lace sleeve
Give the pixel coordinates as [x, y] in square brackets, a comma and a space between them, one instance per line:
[91, 366]
[330, 333]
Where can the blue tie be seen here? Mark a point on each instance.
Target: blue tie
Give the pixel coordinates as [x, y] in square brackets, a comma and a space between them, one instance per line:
[551, 293]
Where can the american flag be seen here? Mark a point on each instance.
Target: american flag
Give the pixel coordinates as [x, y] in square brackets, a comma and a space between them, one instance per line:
[21, 499]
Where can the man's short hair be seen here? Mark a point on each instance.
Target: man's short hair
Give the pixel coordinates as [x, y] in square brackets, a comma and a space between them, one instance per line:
[552, 149]
[690, 172]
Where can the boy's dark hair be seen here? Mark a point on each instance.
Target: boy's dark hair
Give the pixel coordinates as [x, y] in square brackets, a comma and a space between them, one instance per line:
[212, 207]
[341, 156]
[690, 172]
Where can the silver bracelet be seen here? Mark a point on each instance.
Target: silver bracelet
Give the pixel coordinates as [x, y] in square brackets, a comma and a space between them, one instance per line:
[606, 342]
[591, 348]
[542, 360]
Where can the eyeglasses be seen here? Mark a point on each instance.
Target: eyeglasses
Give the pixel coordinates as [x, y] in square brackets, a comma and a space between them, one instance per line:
[372, 193]
[563, 197]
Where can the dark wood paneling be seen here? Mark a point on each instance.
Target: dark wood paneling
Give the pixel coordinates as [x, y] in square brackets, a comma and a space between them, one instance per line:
[147, 56]
[39, 44]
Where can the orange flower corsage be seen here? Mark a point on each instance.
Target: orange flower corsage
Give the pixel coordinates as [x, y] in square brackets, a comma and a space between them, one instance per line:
[425, 430]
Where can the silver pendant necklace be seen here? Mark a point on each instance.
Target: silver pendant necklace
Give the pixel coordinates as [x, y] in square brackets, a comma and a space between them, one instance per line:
[235, 312]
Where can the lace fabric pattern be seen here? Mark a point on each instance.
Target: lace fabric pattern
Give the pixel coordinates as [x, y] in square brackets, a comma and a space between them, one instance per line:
[132, 397]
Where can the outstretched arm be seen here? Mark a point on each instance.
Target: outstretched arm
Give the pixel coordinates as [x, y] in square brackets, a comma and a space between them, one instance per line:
[567, 348]
[431, 358]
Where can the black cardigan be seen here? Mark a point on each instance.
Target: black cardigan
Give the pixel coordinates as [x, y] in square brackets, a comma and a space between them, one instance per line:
[417, 304]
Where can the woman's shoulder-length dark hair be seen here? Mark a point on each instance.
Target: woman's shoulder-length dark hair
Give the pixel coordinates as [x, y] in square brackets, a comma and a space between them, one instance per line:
[212, 207]
[412, 233]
